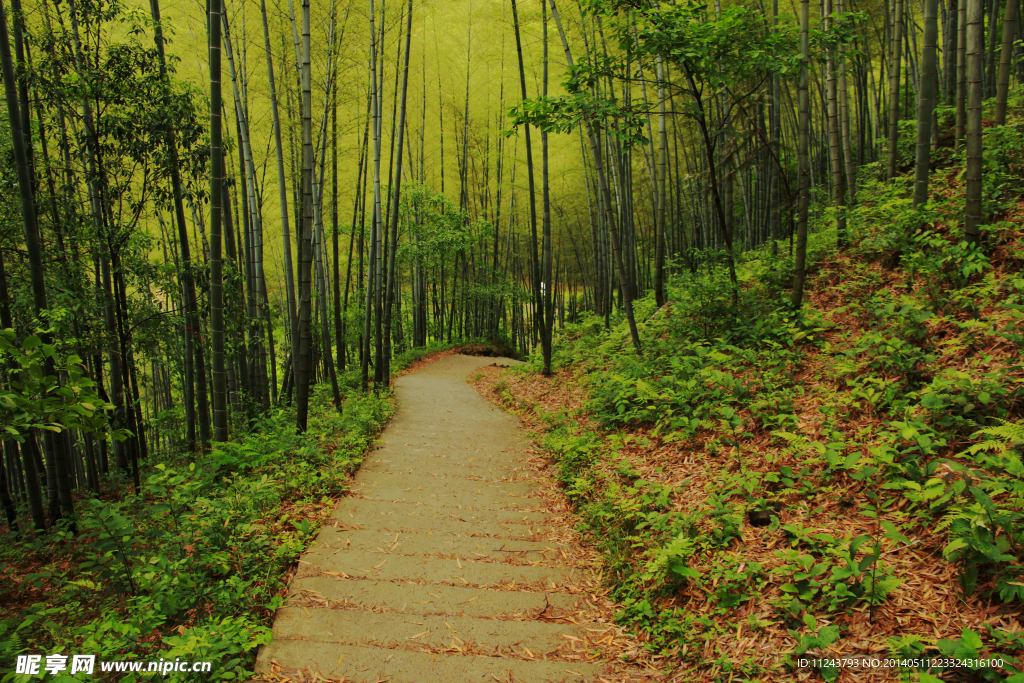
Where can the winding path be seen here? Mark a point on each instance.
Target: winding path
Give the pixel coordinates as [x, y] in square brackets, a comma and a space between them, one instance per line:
[435, 569]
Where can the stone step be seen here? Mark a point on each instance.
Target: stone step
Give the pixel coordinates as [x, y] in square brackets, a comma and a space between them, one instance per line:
[489, 637]
[412, 443]
[439, 466]
[411, 598]
[438, 482]
[440, 411]
[511, 551]
[455, 527]
[444, 464]
[391, 516]
[372, 665]
[453, 572]
[474, 498]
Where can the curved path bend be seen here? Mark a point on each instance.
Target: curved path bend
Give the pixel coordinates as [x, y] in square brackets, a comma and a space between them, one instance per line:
[435, 569]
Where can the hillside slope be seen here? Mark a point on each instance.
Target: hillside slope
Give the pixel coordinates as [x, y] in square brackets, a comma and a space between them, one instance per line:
[780, 495]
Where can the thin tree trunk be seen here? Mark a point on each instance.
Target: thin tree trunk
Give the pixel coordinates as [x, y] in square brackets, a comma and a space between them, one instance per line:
[220, 398]
[371, 272]
[895, 55]
[975, 59]
[844, 131]
[195, 367]
[320, 253]
[659, 232]
[282, 191]
[391, 284]
[377, 263]
[803, 160]
[547, 288]
[835, 146]
[305, 364]
[535, 270]
[339, 335]
[926, 101]
[1006, 59]
[961, 76]
[949, 53]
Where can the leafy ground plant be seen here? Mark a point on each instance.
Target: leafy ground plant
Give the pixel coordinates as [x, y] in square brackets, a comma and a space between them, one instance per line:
[767, 485]
[196, 564]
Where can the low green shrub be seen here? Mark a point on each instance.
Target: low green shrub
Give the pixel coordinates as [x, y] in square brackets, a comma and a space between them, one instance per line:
[193, 566]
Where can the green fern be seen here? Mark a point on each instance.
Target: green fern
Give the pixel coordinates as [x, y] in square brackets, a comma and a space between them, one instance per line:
[1000, 439]
[954, 514]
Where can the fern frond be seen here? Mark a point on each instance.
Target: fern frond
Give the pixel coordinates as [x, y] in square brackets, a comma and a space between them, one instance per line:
[950, 517]
[998, 439]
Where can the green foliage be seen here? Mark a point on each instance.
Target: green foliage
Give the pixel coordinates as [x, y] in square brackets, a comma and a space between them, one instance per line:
[837, 582]
[670, 562]
[969, 648]
[573, 453]
[818, 638]
[715, 54]
[898, 409]
[199, 557]
[943, 266]
[1002, 181]
[1014, 306]
[36, 398]
[985, 536]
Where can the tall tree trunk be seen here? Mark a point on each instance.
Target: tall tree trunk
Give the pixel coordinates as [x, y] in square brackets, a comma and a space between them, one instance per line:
[339, 334]
[989, 67]
[371, 271]
[359, 202]
[535, 269]
[1006, 59]
[961, 75]
[282, 191]
[895, 55]
[547, 289]
[975, 58]
[377, 262]
[220, 398]
[259, 310]
[391, 284]
[949, 51]
[834, 138]
[803, 160]
[305, 366]
[320, 249]
[775, 128]
[660, 227]
[844, 131]
[926, 101]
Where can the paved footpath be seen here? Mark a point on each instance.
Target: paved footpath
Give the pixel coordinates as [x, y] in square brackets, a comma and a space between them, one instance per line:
[434, 569]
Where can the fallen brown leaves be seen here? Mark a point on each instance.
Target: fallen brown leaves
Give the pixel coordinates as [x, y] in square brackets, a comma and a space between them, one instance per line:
[928, 604]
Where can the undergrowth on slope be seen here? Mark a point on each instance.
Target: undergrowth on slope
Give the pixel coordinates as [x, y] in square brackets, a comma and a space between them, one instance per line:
[195, 566]
[769, 486]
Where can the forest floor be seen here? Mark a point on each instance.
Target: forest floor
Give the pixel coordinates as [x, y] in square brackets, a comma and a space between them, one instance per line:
[835, 495]
[454, 558]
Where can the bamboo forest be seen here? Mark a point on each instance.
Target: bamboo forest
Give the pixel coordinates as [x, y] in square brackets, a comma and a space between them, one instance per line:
[633, 341]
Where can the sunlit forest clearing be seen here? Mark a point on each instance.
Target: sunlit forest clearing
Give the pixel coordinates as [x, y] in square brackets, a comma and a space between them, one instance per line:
[750, 273]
